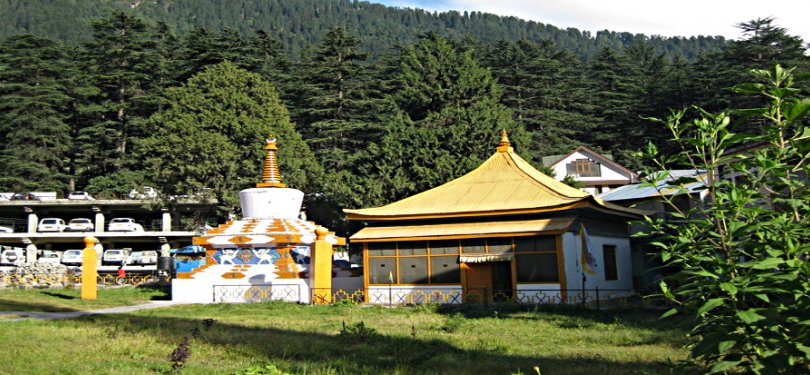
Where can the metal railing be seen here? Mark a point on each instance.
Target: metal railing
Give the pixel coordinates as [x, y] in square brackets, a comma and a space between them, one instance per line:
[398, 296]
[249, 293]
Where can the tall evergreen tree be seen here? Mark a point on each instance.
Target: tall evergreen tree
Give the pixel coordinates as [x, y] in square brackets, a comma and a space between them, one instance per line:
[547, 90]
[337, 108]
[121, 62]
[212, 137]
[35, 141]
[450, 121]
[617, 93]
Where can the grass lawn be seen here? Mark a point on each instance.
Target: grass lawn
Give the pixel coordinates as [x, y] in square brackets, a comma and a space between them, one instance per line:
[61, 300]
[341, 339]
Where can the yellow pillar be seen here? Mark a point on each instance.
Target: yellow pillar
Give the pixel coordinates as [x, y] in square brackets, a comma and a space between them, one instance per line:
[320, 268]
[89, 270]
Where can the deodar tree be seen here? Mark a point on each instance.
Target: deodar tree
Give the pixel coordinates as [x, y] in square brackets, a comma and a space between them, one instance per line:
[743, 254]
[212, 137]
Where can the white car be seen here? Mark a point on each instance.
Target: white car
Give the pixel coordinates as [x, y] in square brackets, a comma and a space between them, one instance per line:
[80, 195]
[117, 256]
[6, 229]
[72, 257]
[51, 258]
[124, 224]
[80, 225]
[145, 257]
[12, 257]
[51, 224]
[146, 192]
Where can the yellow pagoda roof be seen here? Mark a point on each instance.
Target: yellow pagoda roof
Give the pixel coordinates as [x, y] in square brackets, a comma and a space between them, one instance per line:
[503, 184]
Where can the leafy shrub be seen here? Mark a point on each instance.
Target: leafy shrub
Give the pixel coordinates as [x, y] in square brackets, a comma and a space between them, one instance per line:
[742, 250]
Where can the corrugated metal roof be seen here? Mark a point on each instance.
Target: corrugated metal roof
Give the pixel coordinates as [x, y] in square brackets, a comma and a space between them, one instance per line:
[637, 191]
[503, 182]
[460, 230]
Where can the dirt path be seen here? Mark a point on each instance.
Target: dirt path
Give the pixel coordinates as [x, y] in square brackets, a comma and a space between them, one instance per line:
[21, 315]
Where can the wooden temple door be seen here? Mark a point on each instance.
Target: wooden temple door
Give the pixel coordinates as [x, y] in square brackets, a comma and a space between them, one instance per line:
[487, 282]
[478, 282]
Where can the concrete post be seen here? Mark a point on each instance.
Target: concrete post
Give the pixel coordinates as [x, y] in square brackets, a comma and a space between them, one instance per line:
[99, 221]
[320, 268]
[89, 270]
[30, 254]
[33, 221]
[167, 221]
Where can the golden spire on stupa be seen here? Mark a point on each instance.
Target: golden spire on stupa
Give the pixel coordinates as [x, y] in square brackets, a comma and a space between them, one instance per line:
[504, 145]
[271, 177]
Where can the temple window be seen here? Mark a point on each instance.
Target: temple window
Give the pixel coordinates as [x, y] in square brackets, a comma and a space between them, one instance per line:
[536, 259]
[609, 257]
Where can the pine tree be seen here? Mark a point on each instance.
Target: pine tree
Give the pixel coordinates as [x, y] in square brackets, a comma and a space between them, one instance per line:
[121, 62]
[449, 123]
[337, 111]
[35, 140]
[617, 93]
[546, 89]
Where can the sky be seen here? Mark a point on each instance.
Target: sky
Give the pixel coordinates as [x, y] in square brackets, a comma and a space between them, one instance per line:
[651, 17]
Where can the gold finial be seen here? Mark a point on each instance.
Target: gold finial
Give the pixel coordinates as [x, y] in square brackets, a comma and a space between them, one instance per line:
[504, 145]
[271, 177]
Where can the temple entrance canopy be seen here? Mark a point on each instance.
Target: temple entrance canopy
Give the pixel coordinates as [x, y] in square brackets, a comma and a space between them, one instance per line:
[269, 254]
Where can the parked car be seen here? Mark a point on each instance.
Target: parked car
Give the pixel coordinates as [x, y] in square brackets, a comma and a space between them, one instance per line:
[72, 257]
[6, 229]
[13, 257]
[80, 225]
[124, 224]
[145, 257]
[146, 192]
[117, 257]
[51, 224]
[80, 195]
[25, 197]
[51, 258]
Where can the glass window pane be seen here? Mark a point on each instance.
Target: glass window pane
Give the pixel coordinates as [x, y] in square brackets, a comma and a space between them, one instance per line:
[499, 245]
[536, 243]
[444, 247]
[379, 269]
[412, 248]
[609, 257]
[445, 270]
[376, 249]
[536, 268]
[473, 245]
[413, 270]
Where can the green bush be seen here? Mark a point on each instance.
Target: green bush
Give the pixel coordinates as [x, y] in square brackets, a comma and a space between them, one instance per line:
[742, 250]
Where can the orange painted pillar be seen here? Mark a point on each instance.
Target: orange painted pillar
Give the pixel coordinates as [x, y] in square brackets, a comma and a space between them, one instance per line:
[89, 270]
[320, 268]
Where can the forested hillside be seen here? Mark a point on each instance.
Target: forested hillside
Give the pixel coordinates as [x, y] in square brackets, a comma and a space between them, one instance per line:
[300, 23]
[137, 103]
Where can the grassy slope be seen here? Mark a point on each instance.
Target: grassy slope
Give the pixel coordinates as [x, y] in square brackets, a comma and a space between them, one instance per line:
[307, 340]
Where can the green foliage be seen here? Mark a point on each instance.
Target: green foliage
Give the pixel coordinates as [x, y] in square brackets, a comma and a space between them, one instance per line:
[546, 88]
[448, 122]
[117, 185]
[743, 253]
[300, 23]
[35, 138]
[262, 370]
[121, 62]
[212, 136]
